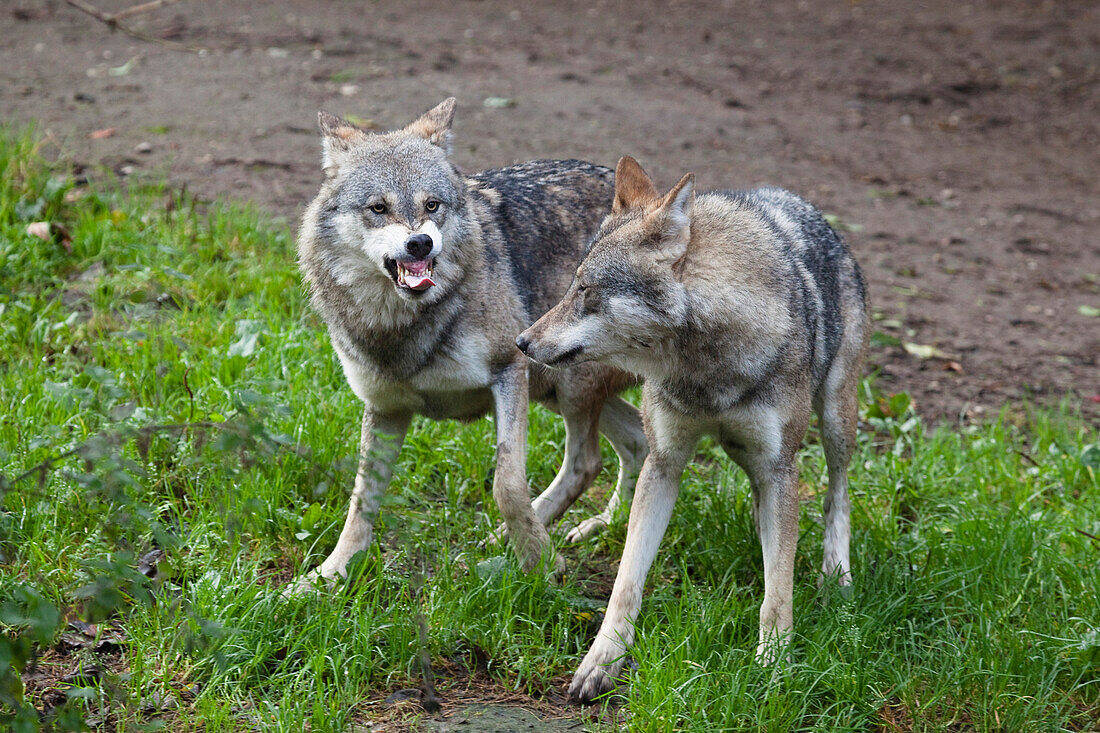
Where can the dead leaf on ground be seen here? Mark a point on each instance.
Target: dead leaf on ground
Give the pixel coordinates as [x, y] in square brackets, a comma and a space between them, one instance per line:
[499, 102]
[923, 351]
[953, 366]
[124, 69]
[105, 132]
[49, 230]
[40, 229]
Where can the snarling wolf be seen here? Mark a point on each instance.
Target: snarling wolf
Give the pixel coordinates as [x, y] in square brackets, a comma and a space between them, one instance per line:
[424, 277]
[741, 310]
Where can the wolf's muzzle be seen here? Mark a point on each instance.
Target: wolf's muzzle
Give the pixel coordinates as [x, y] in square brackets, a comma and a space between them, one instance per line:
[418, 246]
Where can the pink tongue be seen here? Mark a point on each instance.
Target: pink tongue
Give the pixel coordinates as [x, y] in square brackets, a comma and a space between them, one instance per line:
[418, 282]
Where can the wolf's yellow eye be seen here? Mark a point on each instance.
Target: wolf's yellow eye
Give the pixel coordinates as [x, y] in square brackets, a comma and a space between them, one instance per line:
[378, 208]
[431, 206]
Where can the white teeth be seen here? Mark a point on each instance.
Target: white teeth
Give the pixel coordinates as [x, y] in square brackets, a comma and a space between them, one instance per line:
[404, 271]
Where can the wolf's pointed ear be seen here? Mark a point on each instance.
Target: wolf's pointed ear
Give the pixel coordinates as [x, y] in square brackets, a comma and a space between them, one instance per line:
[338, 136]
[678, 202]
[672, 218]
[435, 124]
[632, 186]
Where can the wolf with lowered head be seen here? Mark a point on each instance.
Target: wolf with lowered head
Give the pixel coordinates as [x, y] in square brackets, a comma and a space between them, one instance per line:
[424, 277]
[743, 311]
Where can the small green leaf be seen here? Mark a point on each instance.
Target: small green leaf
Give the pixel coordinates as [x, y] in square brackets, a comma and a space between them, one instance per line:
[176, 273]
[99, 375]
[248, 337]
[878, 338]
[899, 403]
[1090, 457]
[314, 514]
[123, 410]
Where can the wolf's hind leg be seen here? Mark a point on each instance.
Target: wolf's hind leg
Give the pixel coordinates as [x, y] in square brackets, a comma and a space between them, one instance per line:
[839, 413]
[579, 467]
[775, 495]
[622, 426]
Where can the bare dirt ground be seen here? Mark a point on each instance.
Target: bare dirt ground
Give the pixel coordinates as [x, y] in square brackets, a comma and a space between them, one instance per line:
[958, 144]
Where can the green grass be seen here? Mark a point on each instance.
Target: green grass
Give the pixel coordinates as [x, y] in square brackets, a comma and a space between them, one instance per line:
[168, 376]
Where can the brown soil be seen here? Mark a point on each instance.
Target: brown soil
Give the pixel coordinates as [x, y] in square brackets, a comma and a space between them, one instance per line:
[957, 143]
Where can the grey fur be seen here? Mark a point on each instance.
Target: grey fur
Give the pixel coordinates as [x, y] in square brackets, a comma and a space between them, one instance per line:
[503, 245]
[741, 310]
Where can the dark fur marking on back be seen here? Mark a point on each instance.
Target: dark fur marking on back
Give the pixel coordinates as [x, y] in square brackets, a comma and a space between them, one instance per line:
[821, 251]
[547, 211]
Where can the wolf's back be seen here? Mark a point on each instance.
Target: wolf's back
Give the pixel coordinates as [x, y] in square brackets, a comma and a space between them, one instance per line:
[539, 216]
[831, 295]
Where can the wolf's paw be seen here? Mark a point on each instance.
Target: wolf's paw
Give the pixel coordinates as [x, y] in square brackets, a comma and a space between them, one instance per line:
[315, 581]
[557, 574]
[588, 528]
[496, 539]
[773, 652]
[549, 561]
[834, 573]
[597, 673]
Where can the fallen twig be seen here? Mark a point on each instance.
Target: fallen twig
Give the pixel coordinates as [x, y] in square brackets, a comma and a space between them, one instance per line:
[1090, 535]
[1027, 458]
[254, 163]
[112, 22]
[428, 700]
[142, 8]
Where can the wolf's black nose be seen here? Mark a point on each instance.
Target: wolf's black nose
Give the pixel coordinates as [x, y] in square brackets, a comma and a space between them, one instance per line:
[419, 245]
[523, 343]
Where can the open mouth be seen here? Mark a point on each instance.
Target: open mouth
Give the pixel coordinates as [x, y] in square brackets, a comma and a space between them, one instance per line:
[412, 274]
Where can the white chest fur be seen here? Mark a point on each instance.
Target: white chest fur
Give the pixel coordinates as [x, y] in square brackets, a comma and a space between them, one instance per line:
[455, 383]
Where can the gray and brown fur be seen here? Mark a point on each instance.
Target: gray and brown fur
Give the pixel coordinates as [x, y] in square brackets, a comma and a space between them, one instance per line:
[503, 247]
[742, 310]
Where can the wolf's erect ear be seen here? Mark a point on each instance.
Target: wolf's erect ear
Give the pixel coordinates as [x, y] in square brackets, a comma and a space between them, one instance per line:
[338, 136]
[678, 202]
[435, 124]
[632, 186]
[673, 215]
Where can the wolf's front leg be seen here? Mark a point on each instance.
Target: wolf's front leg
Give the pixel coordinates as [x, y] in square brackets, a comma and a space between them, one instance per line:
[658, 487]
[528, 535]
[379, 443]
